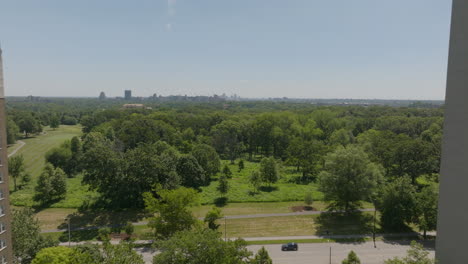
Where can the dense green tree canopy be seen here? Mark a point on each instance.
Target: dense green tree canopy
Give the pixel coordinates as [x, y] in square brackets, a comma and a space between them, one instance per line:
[16, 168]
[12, 131]
[349, 177]
[269, 170]
[51, 185]
[201, 246]
[172, 209]
[208, 158]
[27, 240]
[398, 204]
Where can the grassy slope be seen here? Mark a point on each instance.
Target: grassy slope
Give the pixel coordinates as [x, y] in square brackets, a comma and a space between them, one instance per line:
[241, 191]
[33, 153]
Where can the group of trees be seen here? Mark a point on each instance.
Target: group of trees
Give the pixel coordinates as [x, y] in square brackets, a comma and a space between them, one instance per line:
[181, 238]
[298, 138]
[349, 151]
[30, 119]
[350, 177]
[67, 156]
[122, 174]
[27, 240]
[22, 122]
[415, 255]
[17, 170]
[51, 185]
[89, 254]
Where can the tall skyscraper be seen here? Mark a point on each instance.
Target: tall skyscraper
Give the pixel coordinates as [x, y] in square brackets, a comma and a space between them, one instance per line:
[128, 94]
[6, 247]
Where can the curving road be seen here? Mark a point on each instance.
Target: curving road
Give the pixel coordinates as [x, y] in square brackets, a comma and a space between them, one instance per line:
[22, 143]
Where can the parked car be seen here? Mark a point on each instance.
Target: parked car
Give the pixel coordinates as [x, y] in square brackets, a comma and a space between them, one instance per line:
[289, 246]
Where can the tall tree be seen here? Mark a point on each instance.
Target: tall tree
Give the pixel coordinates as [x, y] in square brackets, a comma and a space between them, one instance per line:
[397, 204]
[173, 210]
[55, 255]
[191, 173]
[54, 122]
[269, 170]
[201, 246]
[427, 205]
[226, 139]
[207, 158]
[227, 171]
[51, 185]
[60, 157]
[223, 185]
[351, 259]
[348, 177]
[12, 131]
[255, 180]
[307, 156]
[412, 157]
[29, 125]
[262, 257]
[26, 236]
[16, 168]
[211, 217]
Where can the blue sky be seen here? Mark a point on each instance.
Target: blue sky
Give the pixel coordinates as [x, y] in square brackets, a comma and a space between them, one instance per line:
[254, 48]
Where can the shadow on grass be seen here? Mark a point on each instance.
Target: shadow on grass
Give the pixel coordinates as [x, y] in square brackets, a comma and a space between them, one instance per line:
[79, 235]
[341, 224]
[268, 188]
[94, 217]
[252, 193]
[428, 244]
[221, 201]
[42, 205]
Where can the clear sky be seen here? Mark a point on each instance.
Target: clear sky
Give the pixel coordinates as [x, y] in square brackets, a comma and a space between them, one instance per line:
[254, 48]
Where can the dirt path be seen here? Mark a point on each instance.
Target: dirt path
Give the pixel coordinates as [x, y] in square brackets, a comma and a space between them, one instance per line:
[22, 143]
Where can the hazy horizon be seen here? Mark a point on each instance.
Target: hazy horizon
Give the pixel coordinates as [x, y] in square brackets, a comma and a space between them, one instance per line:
[256, 49]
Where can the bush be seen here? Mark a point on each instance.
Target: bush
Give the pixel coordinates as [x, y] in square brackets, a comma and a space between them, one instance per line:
[241, 165]
[104, 234]
[129, 229]
[308, 198]
[227, 172]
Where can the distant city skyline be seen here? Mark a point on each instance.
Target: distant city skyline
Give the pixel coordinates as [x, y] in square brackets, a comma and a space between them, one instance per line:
[361, 49]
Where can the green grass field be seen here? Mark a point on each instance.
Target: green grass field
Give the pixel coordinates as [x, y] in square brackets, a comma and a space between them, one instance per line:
[33, 153]
[336, 224]
[241, 191]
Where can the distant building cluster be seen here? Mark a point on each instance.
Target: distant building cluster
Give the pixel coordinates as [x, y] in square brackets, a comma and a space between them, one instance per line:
[225, 98]
[135, 106]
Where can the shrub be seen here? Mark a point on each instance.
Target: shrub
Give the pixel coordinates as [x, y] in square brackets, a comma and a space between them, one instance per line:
[308, 198]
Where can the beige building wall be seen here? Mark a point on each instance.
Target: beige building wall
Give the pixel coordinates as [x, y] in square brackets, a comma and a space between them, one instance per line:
[6, 247]
[452, 231]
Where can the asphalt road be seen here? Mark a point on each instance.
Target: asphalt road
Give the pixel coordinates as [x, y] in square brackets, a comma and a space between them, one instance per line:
[319, 253]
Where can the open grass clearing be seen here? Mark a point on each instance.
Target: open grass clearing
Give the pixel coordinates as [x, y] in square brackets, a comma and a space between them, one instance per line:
[286, 189]
[336, 224]
[34, 157]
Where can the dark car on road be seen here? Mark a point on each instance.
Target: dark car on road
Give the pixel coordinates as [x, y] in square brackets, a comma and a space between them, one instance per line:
[289, 246]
